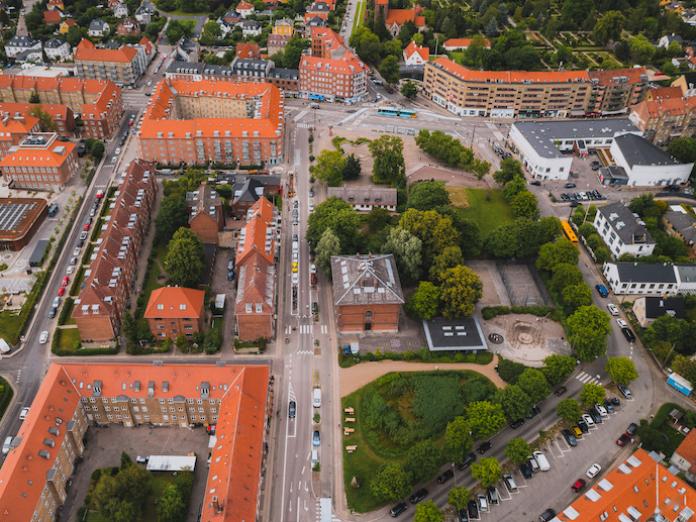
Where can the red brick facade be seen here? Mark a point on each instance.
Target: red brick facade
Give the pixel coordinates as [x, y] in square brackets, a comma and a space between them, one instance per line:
[364, 318]
[173, 311]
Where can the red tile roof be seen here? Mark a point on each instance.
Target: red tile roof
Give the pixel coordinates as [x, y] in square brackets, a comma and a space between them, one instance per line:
[401, 16]
[48, 157]
[56, 111]
[173, 302]
[664, 93]
[244, 6]
[462, 43]
[687, 448]
[259, 221]
[413, 48]
[611, 76]
[638, 485]
[471, 75]
[52, 17]
[87, 52]
[247, 50]
[668, 106]
[17, 126]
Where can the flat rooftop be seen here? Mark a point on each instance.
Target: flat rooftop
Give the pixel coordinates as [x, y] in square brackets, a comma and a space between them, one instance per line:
[17, 215]
[454, 334]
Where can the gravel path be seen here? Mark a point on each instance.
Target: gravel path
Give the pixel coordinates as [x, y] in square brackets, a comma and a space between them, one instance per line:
[359, 375]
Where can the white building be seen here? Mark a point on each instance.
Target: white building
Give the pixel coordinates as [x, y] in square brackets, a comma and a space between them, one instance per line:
[622, 231]
[545, 147]
[364, 199]
[21, 44]
[633, 278]
[120, 10]
[647, 165]
[415, 54]
[57, 50]
[98, 28]
[250, 28]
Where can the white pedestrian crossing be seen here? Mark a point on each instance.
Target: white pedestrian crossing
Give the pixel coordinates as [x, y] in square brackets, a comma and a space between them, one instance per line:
[306, 329]
[324, 329]
[304, 125]
[585, 378]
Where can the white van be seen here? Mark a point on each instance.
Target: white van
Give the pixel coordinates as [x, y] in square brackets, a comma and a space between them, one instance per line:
[7, 445]
[315, 456]
[316, 398]
[542, 461]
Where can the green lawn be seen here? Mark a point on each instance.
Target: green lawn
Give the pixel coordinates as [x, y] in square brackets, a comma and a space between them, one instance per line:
[486, 207]
[152, 276]
[359, 15]
[68, 339]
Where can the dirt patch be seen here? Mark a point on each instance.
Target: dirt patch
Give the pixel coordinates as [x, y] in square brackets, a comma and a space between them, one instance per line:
[494, 291]
[357, 376]
[527, 339]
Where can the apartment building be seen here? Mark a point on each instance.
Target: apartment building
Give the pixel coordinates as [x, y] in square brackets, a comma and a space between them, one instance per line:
[622, 231]
[207, 216]
[123, 65]
[40, 162]
[331, 72]
[111, 275]
[173, 311]
[507, 94]
[218, 121]
[663, 119]
[97, 102]
[72, 397]
[256, 280]
[367, 293]
[61, 115]
[614, 91]
[14, 128]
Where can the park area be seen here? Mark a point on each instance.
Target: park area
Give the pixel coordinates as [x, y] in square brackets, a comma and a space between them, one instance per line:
[486, 207]
[401, 418]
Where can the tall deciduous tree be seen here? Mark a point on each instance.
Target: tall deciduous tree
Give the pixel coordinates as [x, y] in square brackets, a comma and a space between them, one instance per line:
[558, 367]
[592, 394]
[389, 69]
[173, 214]
[559, 251]
[390, 483]
[339, 216]
[517, 450]
[458, 439]
[428, 512]
[184, 258]
[407, 250]
[487, 471]
[424, 303]
[509, 168]
[569, 410]
[575, 296]
[450, 257]
[458, 497]
[351, 169]
[427, 195]
[434, 230]
[588, 329]
[534, 384]
[170, 505]
[329, 167]
[409, 90]
[329, 245]
[484, 418]
[524, 205]
[422, 460]
[622, 370]
[388, 167]
[515, 402]
[460, 290]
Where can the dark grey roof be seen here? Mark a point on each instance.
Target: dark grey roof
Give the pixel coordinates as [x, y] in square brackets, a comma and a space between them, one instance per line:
[626, 225]
[639, 151]
[365, 194]
[205, 199]
[286, 74]
[683, 223]
[365, 279]
[54, 43]
[22, 41]
[249, 24]
[253, 66]
[456, 334]
[98, 25]
[687, 273]
[646, 272]
[318, 7]
[614, 172]
[658, 306]
[541, 134]
[247, 189]
[315, 21]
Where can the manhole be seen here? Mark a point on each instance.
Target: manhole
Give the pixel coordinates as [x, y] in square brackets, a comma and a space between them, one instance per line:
[495, 338]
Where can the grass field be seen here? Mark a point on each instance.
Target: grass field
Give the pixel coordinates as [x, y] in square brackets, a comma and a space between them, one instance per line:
[68, 339]
[485, 207]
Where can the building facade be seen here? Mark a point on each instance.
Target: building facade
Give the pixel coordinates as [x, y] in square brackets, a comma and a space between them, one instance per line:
[173, 311]
[622, 232]
[661, 120]
[207, 216]
[647, 165]
[614, 91]
[123, 66]
[196, 122]
[20, 218]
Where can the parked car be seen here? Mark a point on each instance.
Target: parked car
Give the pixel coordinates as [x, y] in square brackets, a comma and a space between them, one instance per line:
[601, 410]
[86, 226]
[602, 290]
[292, 409]
[469, 459]
[526, 470]
[588, 420]
[578, 485]
[613, 309]
[593, 470]
[23, 414]
[43, 338]
[560, 391]
[625, 391]
[534, 412]
[7, 445]
[61, 291]
[141, 459]
[471, 507]
[576, 431]
[622, 323]
[484, 447]
[516, 424]
[533, 464]
[398, 509]
[615, 401]
[535, 182]
[510, 482]
[316, 438]
[482, 503]
[418, 496]
[547, 515]
[100, 194]
[542, 461]
[463, 516]
[445, 476]
[569, 438]
[623, 440]
[628, 334]
[596, 417]
[632, 429]
[583, 426]
[569, 185]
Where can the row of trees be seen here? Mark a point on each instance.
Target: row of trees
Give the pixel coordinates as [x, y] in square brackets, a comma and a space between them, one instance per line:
[451, 152]
[522, 202]
[333, 167]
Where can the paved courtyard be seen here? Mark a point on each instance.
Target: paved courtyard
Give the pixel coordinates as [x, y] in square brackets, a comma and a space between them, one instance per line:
[104, 446]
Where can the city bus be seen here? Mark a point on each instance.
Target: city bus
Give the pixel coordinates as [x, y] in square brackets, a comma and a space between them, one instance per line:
[396, 112]
[568, 231]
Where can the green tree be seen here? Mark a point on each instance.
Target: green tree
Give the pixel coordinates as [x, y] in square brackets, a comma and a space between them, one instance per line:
[435, 231]
[686, 367]
[339, 216]
[460, 291]
[515, 402]
[409, 90]
[512, 188]
[329, 245]
[487, 471]
[45, 119]
[388, 167]
[211, 33]
[517, 450]
[484, 418]
[622, 370]
[427, 195]
[351, 169]
[458, 439]
[565, 275]
[407, 249]
[534, 383]
[683, 148]
[559, 251]
[329, 167]
[170, 506]
[592, 394]
[390, 483]
[424, 303]
[97, 150]
[458, 497]
[575, 296]
[389, 69]
[422, 460]
[609, 26]
[588, 329]
[557, 368]
[428, 512]
[641, 49]
[450, 257]
[366, 44]
[569, 410]
[524, 205]
[173, 214]
[184, 258]
[509, 169]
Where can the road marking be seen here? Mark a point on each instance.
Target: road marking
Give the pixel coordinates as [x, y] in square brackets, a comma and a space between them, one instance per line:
[324, 329]
[585, 378]
[19, 376]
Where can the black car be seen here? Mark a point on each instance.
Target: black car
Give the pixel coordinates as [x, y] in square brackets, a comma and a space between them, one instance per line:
[484, 447]
[560, 391]
[569, 438]
[609, 406]
[516, 424]
[547, 515]
[628, 334]
[444, 477]
[398, 509]
[596, 417]
[583, 426]
[574, 204]
[468, 461]
[463, 516]
[624, 391]
[472, 508]
[632, 429]
[535, 182]
[292, 409]
[418, 496]
[536, 410]
[615, 401]
[569, 185]
[526, 470]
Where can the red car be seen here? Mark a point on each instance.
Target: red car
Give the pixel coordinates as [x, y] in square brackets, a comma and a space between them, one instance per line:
[86, 226]
[61, 291]
[578, 485]
[100, 194]
[65, 282]
[623, 440]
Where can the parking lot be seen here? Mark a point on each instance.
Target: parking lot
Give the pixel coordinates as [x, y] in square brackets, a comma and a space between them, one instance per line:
[528, 501]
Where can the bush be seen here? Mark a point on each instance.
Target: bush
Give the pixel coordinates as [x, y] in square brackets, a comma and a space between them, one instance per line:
[489, 312]
[424, 355]
[509, 371]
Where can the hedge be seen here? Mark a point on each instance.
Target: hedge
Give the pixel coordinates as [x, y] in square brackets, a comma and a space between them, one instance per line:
[259, 343]
[489, 312]
[66, 310]
[422, 355]
[5, 396]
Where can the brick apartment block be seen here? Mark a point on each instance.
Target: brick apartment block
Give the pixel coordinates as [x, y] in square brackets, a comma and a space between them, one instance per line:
[207, 216]
[233, 398]
[112, 273]
[13, 129]
[122, 66]
[196, 122]
[173, 311]
[256, 280]
[98, 102]
[40, 162]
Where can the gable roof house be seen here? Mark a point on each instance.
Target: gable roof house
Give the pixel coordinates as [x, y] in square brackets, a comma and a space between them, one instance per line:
[19, 45]
[415, 54]
[173, 311]
[207, 216]
[647, 309]
[57, 49]
[98, 28]
[684, 457]
[367, 293]
[622, 231]
[681, 224]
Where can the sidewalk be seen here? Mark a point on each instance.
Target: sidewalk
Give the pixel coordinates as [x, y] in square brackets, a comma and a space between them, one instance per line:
[357, 376]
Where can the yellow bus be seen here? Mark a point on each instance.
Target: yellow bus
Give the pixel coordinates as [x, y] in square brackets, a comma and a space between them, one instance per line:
[568, 231]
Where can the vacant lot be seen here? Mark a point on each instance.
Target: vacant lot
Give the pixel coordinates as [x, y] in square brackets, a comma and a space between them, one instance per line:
[484, 206]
